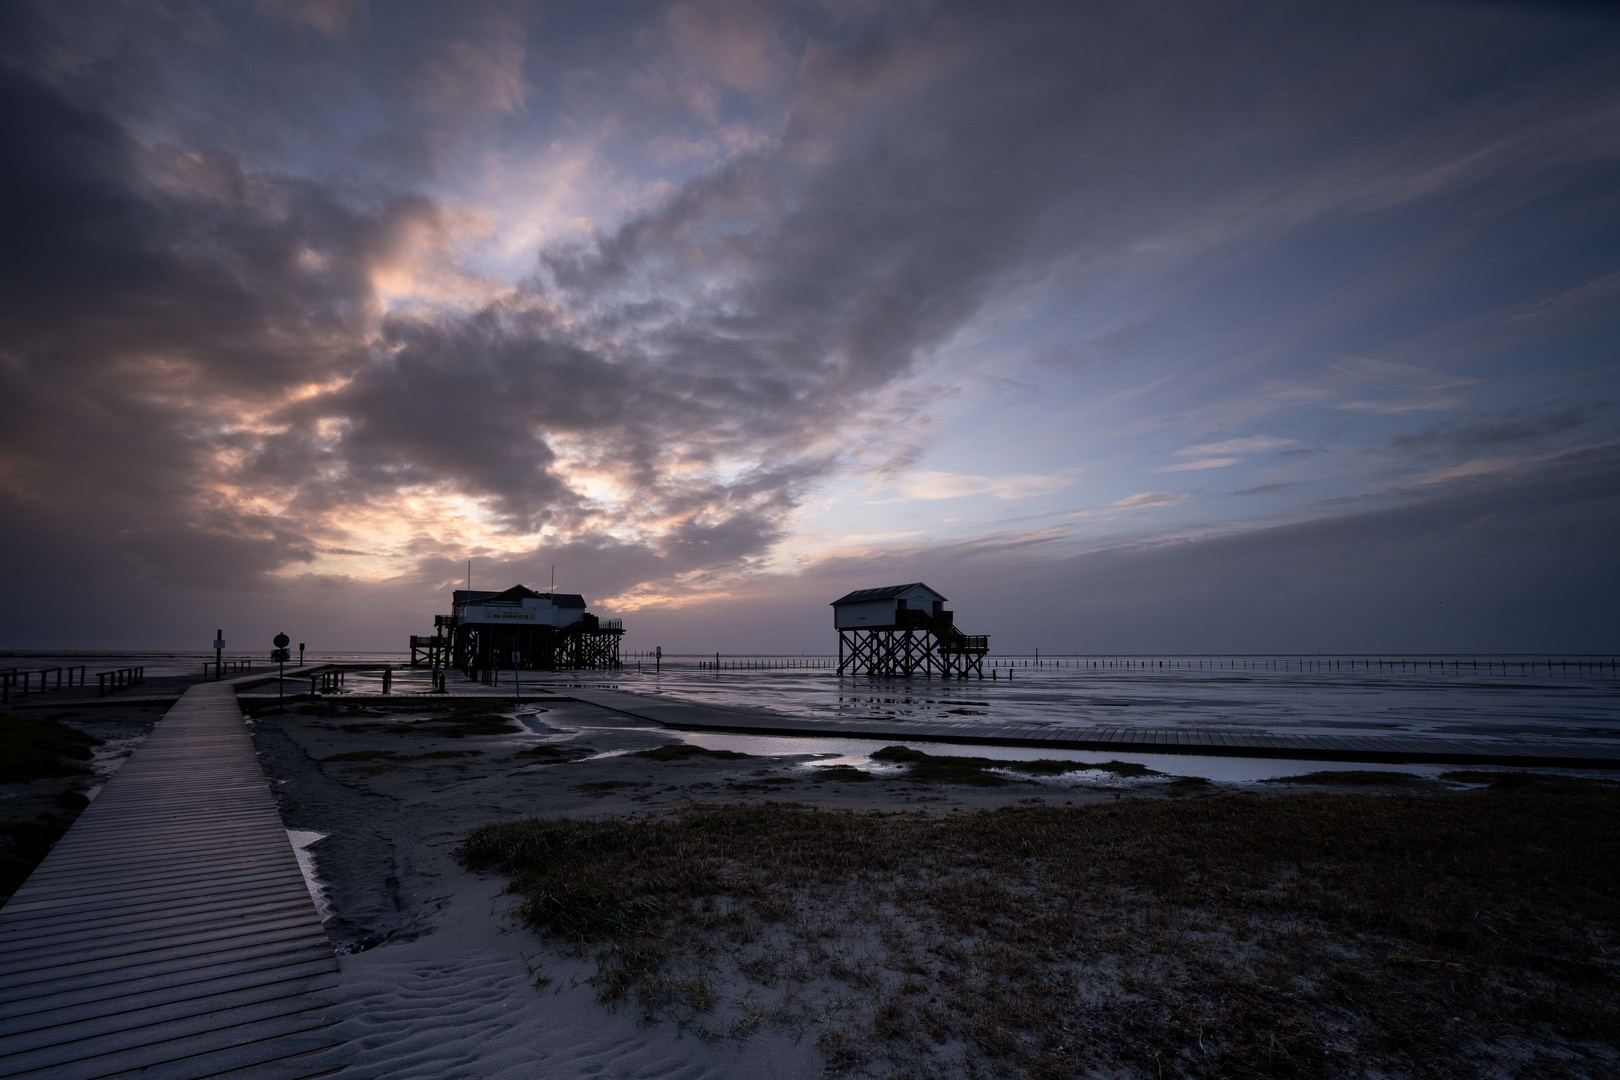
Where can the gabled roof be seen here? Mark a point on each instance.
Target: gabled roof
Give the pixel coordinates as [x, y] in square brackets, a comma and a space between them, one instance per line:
[518, 593]
[513, 595]
[888, 592]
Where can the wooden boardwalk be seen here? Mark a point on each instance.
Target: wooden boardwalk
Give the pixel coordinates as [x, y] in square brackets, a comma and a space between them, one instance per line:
[169, 934]
[1527, 751]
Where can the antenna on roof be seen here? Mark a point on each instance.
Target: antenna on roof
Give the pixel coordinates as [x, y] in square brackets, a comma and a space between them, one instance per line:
[553, 577]
[469, 579]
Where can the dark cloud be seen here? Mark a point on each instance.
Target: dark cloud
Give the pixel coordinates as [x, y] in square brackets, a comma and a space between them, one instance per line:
[1515, 428]
[1268, 489]
[237, 337]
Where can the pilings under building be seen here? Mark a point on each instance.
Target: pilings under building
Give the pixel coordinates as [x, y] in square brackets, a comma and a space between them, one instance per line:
[518, 628]
[904, 630]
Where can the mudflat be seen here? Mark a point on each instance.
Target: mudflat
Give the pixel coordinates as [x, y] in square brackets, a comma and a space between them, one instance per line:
[560, 888]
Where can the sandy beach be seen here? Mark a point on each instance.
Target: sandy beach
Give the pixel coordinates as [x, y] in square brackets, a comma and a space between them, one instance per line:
[444, 974]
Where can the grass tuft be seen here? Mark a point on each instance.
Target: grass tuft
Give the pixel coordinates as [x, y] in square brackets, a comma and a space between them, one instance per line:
[844, 773]
[1347, 778]
[685, 752]
[549, 752]
[34, 749]
[981, 772]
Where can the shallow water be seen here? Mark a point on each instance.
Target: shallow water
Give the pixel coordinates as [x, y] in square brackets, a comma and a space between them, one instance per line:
[1282, 695]
[1451, 696]
[819, 753]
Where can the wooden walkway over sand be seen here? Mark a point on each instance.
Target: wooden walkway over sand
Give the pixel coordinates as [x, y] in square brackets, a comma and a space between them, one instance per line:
[170, 933]
[1521, 751]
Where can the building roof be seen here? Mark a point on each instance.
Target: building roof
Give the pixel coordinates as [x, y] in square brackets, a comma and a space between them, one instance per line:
[887, 592]
[518, 593]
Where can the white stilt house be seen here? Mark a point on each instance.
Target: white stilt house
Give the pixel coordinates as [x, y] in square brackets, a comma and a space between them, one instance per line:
[903, 630]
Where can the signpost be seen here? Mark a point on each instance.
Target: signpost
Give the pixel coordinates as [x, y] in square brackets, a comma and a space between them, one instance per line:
[280, 656]
[658, 659]
[517, 692]
[219, 652]
[300, 654]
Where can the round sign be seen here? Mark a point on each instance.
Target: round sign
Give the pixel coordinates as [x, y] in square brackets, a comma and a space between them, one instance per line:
[280, 641]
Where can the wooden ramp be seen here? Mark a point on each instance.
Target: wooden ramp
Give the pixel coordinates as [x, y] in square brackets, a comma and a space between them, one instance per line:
[1521, 751]
[169, 934]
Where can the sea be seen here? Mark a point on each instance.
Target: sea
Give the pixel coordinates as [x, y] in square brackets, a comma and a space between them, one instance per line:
[1539, 696]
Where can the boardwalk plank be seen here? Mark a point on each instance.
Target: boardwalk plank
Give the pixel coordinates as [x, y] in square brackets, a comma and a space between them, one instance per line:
[170, 963]
[156, 989]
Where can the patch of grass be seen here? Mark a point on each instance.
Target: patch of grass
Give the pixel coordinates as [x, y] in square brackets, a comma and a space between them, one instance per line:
[1522, 781]
[1346, 777]
[769, 783]
[1188, 785]
[842, 773]
[461, 725]
[358, 755]
[1124, 768]
[948, 768]
[549, 752]
[391, 756]
[1307, 934]
[685, 752]
[958, 769]
[607, 787]
[36, 749]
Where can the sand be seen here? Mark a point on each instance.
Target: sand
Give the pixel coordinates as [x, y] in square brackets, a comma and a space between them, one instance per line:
[437, 978]
[436, 981]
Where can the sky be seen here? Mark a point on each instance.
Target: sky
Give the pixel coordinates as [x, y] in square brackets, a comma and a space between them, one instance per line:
[1130, 327]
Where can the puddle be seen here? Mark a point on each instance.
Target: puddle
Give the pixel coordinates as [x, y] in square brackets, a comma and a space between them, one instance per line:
[857, 753]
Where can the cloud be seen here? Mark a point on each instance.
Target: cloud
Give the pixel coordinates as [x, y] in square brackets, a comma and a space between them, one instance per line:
[1207, 463]
[1146, 499]
[1268, 489]
[1406, 387]
[942, 485]
[1248, 444]
[1506, 428]
[327, 16]
[1597, 290]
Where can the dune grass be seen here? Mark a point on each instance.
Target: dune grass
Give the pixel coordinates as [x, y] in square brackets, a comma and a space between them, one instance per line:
[923, 768]
[686, 752]
[1301, 934]
[1347, 778]
[33, 748]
